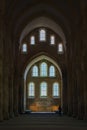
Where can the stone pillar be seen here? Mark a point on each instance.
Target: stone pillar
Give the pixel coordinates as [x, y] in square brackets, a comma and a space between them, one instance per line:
[74, 74]
[6, 70]
[69, 77]
[83, 34]
[64, 93]
[16, 79]
[5, 92]
[75, 99]
[85, 90]
[81, 60]
[11, 113]
[21, 95]
[1, 71]
[85, 78]
[2, 10]
[74, 83]
[11, 58]
[15, 94]
[80, 95]
[80, 77]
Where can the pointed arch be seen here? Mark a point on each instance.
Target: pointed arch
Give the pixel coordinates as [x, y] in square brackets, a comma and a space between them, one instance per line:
[45, 22]
[41, 57]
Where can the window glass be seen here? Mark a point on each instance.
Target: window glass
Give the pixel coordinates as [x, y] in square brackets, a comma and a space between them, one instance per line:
[42, 35]
[31, 90]
[43, 89]
[60, 47]
[32, 40]
[52, 40]
[43, 69]
[55, 90]
[52, 71]
[24, 47]
[35, 71]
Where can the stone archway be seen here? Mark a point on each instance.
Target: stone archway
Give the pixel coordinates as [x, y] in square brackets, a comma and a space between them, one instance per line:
[46, 22]
[48, 101]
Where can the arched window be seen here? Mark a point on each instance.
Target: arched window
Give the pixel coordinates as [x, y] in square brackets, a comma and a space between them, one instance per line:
[42, 35]
[55, 90]
[43, 89]
[32, 40]
[31, 89]
[43, 69]
[60, 47]
[52, 71]
[35, 71]
[52, 40]
[24, 47]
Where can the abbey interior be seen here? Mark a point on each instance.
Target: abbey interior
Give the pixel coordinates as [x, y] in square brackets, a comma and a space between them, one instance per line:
[43, 64]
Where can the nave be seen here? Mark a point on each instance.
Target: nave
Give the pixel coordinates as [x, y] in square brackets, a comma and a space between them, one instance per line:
[43, 63]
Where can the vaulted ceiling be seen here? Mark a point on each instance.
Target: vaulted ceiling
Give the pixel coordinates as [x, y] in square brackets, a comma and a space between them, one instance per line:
[20, 13]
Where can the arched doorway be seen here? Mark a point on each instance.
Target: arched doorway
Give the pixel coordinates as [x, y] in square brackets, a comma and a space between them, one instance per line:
[42, 85]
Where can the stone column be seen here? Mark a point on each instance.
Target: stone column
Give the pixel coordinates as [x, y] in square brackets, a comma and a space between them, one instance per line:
[69, 77]
[6, 93]
[80, 95]
[2, 10]
[74, 74]
[74, 87]
[83, 9]
[64, 91]
[11, 76]
[75, 99]
[11, 113]
[78, 104]
[16, 79]
[1, 71]
[15, 97]
[21, 95]
[6, 77]
[80, 78]
[85, 77]
[85, 89]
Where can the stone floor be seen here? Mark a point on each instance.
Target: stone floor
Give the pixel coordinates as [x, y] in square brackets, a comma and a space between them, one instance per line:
[46, 121]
